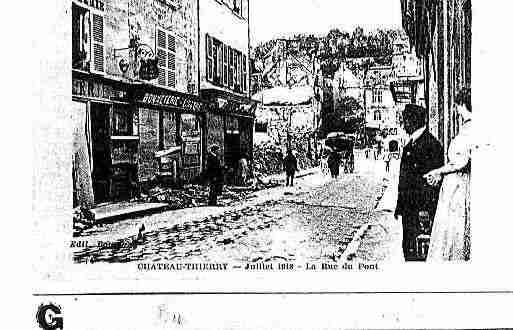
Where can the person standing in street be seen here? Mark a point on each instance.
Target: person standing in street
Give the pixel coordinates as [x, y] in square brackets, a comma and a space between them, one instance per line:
[421, 154]
[290, 166]
[387, 158]
[215, 175]
[243, 170]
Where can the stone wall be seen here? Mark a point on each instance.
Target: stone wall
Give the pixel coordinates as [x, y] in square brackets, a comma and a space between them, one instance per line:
[126, 19]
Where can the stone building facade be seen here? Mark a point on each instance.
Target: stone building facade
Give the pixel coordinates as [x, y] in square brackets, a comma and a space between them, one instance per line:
[135, 93]
[224, 78]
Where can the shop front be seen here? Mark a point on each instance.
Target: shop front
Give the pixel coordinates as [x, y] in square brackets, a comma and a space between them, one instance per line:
[230, 125]
[105, 140]
[171, 135]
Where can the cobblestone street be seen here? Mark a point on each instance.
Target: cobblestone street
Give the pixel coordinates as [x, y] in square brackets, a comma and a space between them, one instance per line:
[312, 222]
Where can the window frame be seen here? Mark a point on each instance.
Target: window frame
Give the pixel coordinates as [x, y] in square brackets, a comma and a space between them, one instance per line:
[168, 51]
[209, 52]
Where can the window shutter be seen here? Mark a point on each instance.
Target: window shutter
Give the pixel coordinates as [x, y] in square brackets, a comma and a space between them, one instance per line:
[244, 73]
[171, 60]
[97, 44]
[225, 65]
[220, 51]
[235, 72]
[166, 53]
[239, 70]
[162, 57]
[230, 69]
[209, 57]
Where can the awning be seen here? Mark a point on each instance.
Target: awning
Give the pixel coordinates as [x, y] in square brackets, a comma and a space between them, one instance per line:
[228, 103]
[285, 96]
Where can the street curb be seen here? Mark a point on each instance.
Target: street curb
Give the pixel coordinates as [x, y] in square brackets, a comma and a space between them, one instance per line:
[352, 248]
[350, 251]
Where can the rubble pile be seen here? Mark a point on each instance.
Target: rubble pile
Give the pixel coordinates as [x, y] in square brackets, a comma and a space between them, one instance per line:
[82, 219]
[268, 157]
[197, 195]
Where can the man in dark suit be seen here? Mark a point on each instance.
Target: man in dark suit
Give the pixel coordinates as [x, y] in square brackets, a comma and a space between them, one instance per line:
[421, 154]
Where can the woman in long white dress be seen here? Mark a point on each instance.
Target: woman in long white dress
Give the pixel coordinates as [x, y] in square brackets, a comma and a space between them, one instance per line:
[450, 237]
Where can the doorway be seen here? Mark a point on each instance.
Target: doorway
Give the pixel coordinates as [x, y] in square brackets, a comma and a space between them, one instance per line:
[232, 150]
[101, 151]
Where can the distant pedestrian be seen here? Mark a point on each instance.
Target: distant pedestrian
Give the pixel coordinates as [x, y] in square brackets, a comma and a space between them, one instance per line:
[334, 164]
[290, 166]
[215, 175]
[387, 159]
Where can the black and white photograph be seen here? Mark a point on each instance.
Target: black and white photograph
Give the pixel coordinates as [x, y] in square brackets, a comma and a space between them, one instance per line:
[194, 143]
[288, 151]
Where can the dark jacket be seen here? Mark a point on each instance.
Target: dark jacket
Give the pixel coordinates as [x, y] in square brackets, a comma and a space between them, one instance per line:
[214, 169]
[290, 163]
[334, 160]
[414, 194]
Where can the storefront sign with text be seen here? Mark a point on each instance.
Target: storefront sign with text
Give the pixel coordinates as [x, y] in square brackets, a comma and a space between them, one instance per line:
[175, 101]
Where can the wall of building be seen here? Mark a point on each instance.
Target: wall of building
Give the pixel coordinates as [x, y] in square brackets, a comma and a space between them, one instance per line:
[387, 108]
[346, 84]
[127, 19]
[451, 69]
[220, 22]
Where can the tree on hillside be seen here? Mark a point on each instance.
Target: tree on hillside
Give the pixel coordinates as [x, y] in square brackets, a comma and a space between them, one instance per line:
[347, 117]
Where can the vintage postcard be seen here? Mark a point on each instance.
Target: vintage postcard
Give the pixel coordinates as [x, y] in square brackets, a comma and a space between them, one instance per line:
[240, 146]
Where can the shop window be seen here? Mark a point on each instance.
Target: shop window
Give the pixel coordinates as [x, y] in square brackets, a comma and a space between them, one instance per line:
[189, 126]
[88, 49]
[166, 54]
[191, 134]
[123, 123]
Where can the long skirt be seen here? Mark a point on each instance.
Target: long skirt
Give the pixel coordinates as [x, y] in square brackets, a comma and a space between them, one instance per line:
[450, 237]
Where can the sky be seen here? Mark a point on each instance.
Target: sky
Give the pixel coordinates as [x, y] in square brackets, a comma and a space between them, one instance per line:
[277, 18]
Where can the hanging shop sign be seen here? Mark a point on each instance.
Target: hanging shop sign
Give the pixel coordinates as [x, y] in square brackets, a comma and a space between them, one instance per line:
[183, 103]
[149, 69]
[97, 89]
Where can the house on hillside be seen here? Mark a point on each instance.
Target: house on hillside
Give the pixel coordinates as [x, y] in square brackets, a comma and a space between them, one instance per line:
[381, 111]
[346, 84]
